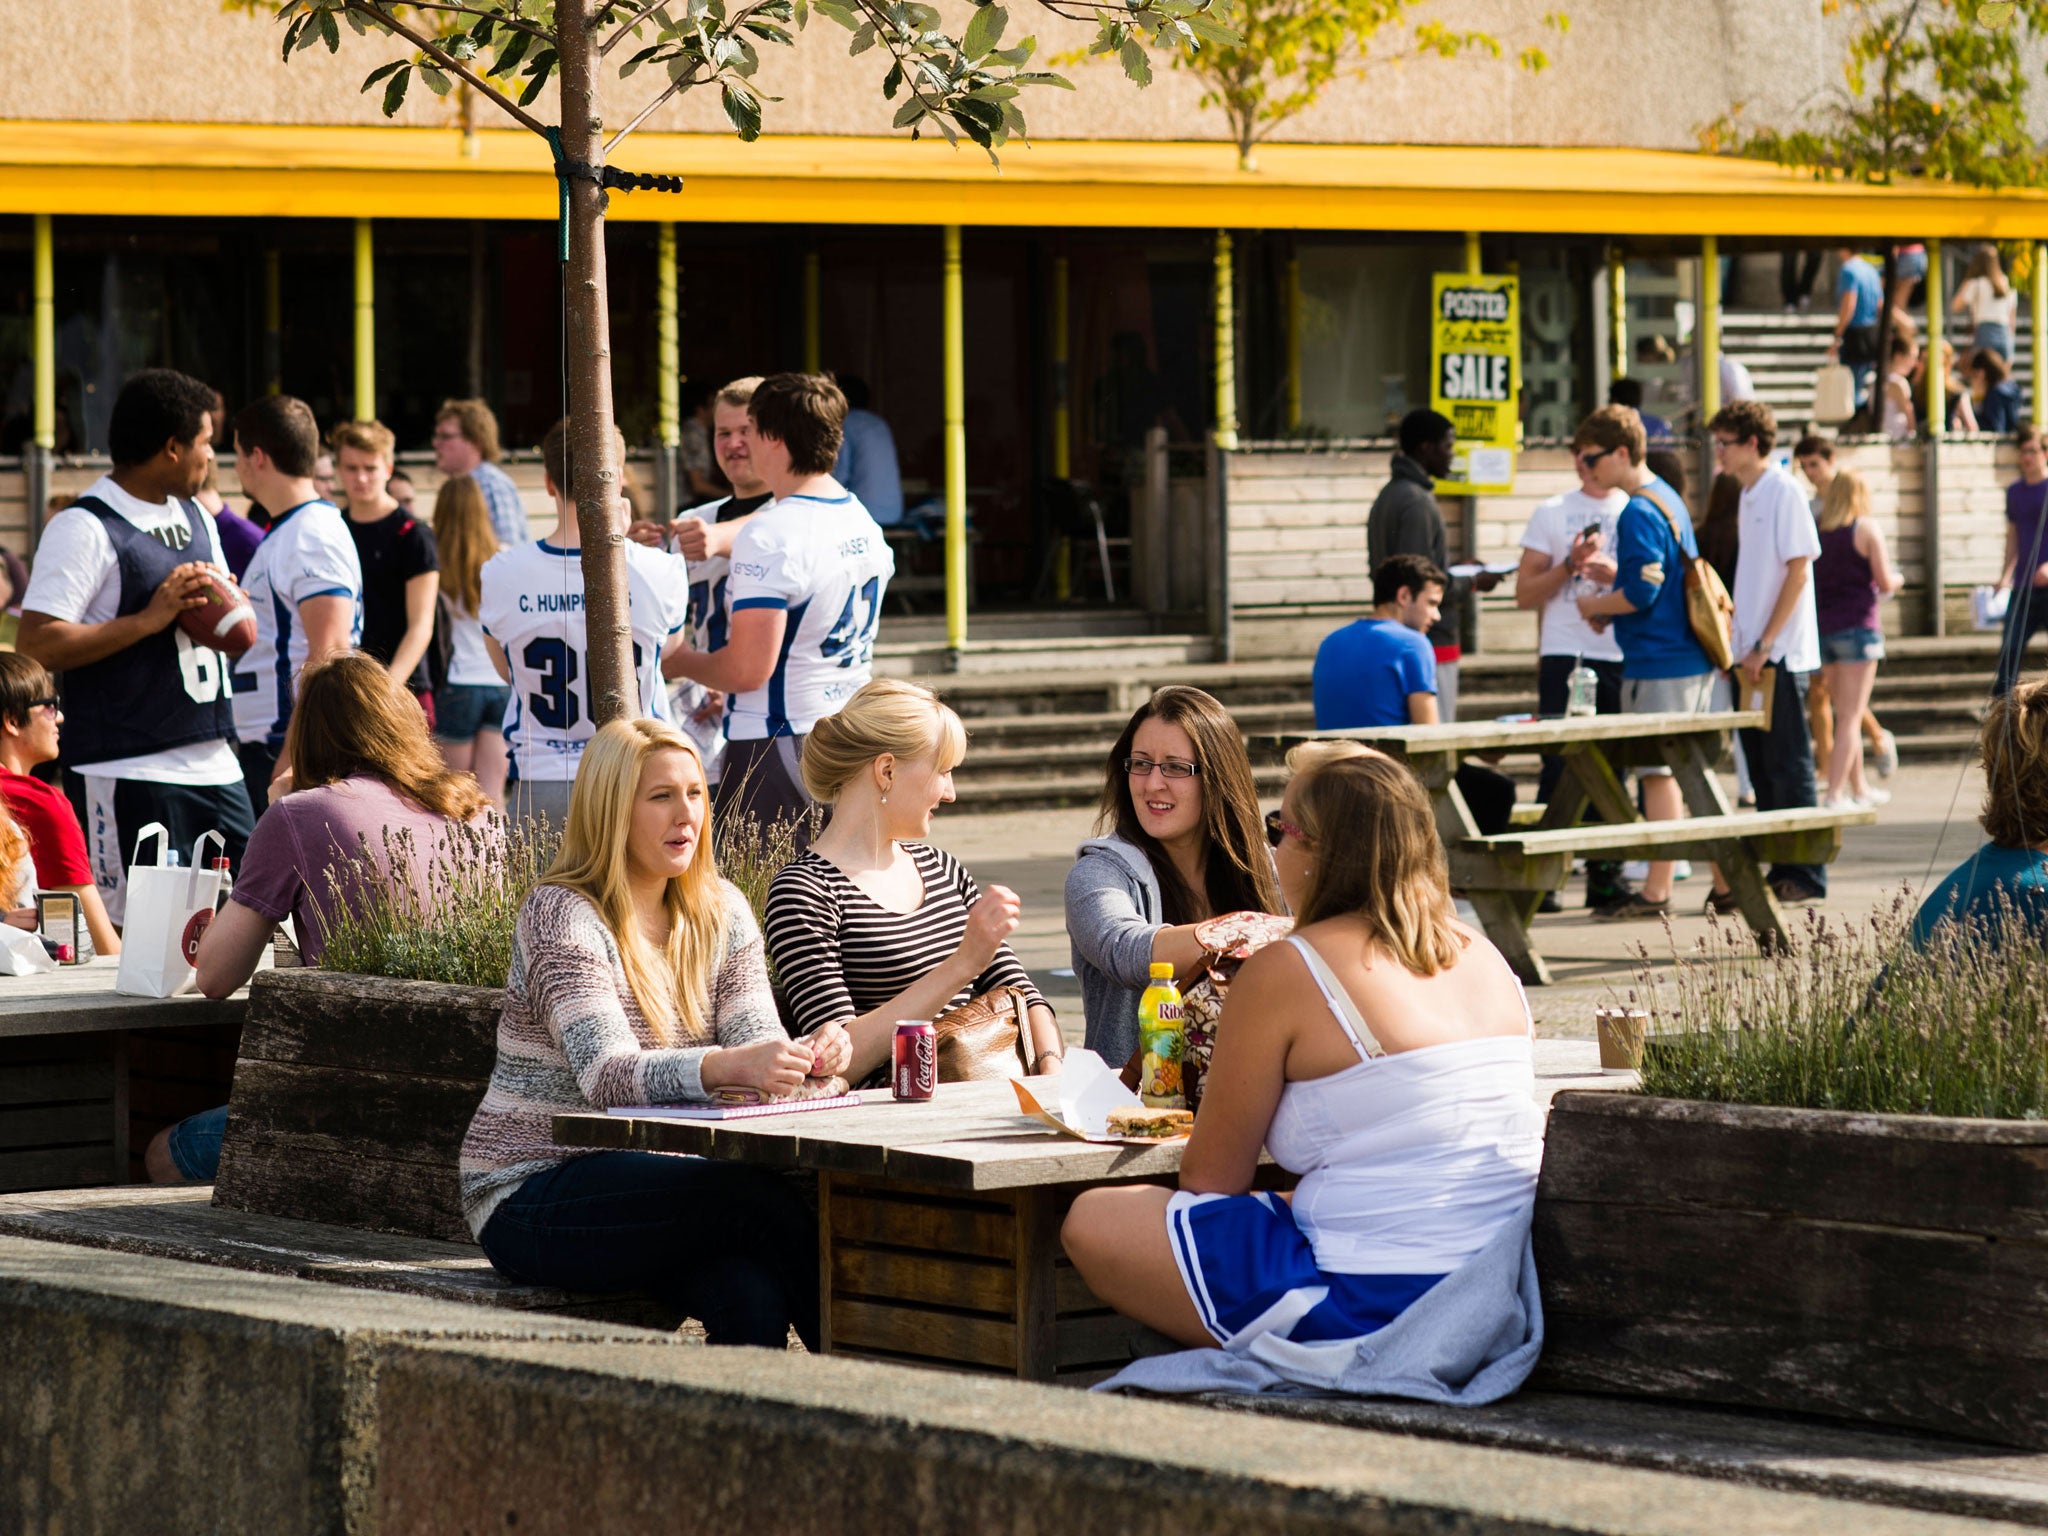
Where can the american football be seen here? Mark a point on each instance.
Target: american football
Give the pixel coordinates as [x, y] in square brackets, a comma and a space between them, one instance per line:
[225, 621]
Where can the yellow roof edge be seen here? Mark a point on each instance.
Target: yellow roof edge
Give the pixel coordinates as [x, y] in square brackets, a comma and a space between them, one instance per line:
[339, 171]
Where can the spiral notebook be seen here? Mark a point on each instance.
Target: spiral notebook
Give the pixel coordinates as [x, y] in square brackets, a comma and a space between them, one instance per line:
[732, 1111]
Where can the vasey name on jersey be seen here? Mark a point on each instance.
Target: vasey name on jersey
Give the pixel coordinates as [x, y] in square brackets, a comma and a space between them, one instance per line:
[850, 547]
[551, 602]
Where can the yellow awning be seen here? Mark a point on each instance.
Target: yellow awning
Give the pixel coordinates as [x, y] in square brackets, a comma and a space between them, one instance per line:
[142, 169]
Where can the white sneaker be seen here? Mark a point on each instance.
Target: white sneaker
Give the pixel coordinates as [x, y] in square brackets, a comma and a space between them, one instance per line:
[1682, 870]
[1887, 762]
[1870, 799]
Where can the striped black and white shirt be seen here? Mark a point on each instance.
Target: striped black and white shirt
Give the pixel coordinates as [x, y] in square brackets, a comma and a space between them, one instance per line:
[840, 954]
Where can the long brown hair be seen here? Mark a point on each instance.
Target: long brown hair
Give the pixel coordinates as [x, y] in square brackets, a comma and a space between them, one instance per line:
[14, 847]
[2014, 746]
[1377, 853]
[354, 719]
[672, 985]
[466, 539]
[1237, 869]
[1984, 263]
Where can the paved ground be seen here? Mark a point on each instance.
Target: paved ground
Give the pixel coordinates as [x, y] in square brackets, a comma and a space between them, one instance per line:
[1930, 824]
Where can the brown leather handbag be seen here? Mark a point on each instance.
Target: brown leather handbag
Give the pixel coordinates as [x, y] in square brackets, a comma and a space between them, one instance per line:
[986, 1038]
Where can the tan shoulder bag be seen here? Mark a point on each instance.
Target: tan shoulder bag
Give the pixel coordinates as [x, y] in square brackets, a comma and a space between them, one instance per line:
[1708, 608]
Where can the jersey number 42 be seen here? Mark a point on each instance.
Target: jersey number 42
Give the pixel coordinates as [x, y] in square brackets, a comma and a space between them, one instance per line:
[852, 638]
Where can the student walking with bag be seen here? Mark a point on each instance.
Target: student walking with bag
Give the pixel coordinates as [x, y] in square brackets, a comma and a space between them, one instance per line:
[872, 924]
[1659, 581]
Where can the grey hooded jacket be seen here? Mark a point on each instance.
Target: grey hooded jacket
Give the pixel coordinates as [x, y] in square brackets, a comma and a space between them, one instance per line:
[1113, 909]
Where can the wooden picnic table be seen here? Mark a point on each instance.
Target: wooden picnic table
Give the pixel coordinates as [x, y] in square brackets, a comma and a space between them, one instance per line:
[938, 1223]
[88, 1076]
[1506, 876]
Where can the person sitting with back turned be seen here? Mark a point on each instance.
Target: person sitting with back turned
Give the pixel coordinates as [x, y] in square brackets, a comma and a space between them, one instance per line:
[637, 978]
[2013, 865]
[1384, 1053]
[1382, 671]
[1179, 840]
[366, 781]
[30, 718]
[873, 925]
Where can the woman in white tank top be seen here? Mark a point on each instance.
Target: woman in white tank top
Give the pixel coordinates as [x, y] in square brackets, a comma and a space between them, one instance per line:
[1382, 1055]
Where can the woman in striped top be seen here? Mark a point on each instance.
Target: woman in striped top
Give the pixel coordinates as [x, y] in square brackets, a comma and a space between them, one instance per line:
[637, 978]
[873, 925]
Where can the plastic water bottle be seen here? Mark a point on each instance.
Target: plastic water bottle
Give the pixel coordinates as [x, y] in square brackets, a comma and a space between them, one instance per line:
[1163, 1034]
[227, 883]
[1582, 692]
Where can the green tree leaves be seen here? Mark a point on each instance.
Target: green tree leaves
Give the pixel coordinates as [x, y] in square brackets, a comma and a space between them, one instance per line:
[1929, 88]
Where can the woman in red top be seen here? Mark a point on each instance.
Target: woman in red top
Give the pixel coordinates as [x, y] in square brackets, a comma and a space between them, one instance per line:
[29, 720]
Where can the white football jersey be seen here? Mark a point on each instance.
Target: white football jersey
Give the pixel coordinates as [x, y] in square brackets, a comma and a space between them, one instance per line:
[532, 605]
[824, 562]
[307, 552]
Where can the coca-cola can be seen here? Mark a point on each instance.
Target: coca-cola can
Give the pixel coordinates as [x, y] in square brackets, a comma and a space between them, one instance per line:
[916, 1061]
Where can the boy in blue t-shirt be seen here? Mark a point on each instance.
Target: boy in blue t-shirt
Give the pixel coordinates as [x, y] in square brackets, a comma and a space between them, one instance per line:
[1382, 670]
[1663, 668]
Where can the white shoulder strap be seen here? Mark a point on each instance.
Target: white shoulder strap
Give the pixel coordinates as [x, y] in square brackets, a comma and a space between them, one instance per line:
[1346, 1011]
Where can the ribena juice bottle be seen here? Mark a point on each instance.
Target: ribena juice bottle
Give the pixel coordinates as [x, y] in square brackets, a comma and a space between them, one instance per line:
[1163, 1034]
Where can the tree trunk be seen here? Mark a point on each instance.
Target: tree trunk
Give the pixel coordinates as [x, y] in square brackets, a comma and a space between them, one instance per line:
[612, 691]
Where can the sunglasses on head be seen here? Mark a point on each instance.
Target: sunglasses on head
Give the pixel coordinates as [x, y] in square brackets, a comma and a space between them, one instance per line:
[1278, 827]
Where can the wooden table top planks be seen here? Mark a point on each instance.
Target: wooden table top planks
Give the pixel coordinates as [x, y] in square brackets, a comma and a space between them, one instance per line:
[970, 1137]
[1534, 735]
[80, 999]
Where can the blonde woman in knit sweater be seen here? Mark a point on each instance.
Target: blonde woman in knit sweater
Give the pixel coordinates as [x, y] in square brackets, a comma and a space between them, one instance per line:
[638, 978]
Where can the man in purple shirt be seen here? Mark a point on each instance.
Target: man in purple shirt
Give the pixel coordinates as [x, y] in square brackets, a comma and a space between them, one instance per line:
[2026, 558]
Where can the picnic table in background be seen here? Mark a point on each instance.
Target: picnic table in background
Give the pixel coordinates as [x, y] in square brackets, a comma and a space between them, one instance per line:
[88, 1076]
[939, 1223]
[1506, 876]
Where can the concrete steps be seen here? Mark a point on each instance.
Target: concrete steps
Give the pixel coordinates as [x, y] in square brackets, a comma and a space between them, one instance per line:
[1041, 737]
[1782, 353]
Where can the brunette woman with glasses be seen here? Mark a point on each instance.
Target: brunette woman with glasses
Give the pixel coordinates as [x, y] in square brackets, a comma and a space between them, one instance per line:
[1178, 841]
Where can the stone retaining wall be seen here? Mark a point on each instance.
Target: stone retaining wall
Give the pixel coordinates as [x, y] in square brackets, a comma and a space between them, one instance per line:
[148, 1395]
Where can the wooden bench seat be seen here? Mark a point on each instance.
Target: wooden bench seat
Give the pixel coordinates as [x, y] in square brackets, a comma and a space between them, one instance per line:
[1540, 860]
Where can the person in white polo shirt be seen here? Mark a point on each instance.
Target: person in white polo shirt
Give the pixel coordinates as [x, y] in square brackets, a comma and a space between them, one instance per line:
[1775, 624]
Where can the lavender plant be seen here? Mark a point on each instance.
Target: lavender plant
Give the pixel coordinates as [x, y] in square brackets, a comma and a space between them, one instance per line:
[460, 931]
[1854, 1016]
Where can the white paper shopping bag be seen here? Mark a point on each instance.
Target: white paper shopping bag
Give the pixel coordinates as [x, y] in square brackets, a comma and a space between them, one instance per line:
[169, 906]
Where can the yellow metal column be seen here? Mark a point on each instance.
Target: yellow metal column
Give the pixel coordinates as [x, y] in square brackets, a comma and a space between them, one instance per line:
[1617, 314]
[956, 446]
[1293, 306]
[811, 348]
[1936, 375]
[668, 350]
[1226, 344]
[1473, 265]
[2040, 296]
[1062, 384]
[44, 344]
[366, 325]
[1708, 346]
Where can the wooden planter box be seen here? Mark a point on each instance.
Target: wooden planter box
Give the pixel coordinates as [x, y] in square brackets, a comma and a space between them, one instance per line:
[352, 1095]
[1889, 1268]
